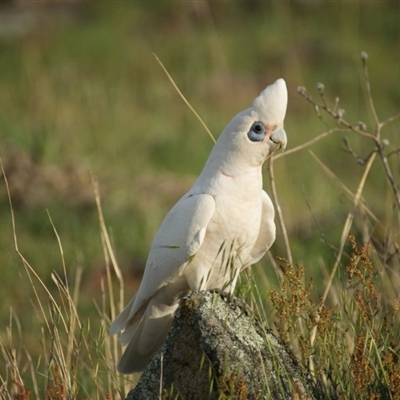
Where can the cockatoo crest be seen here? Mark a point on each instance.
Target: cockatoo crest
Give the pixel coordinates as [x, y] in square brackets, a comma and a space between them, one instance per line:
[271, 103]
[234, 150]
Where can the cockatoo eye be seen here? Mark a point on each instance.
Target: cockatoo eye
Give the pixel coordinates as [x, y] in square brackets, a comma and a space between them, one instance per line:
[257, 132]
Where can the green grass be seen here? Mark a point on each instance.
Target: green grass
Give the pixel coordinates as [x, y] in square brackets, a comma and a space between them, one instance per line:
[87, 96]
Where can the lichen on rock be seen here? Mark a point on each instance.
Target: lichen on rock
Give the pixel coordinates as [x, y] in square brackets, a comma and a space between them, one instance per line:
[216, 350]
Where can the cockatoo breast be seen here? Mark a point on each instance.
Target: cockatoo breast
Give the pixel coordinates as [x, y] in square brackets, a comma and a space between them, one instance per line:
[232, 231]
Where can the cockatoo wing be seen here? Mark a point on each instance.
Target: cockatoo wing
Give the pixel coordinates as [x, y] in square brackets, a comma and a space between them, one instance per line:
[267, 233]
[178, 239]
[148, 316]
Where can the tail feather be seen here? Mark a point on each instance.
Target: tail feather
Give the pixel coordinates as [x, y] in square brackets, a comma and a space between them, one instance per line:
[145, 337]
[121, 320]
[145, 325]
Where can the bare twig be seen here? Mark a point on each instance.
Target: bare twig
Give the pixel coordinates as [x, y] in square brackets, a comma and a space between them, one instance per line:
[279, 210]
[358, 201]
[389, 175]
[184, 98]
[346, 190]
[396, 151]
[360, 129]
[390, 119]
[336, 114]
[343, 239]
[364, 58]
[309, 143]
[349, 221]
[378, 128]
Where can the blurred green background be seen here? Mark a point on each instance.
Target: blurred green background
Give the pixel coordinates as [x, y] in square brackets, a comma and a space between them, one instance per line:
[81, 93]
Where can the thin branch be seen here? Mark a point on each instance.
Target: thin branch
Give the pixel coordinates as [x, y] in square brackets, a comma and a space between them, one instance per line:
[279, 210]
[397, 151]
[390, 119]
[358, 201]
[323, 237]
[349, 221]
[278, 271]
[346, 190]
[344, 237]
[389, 176]
[364, 58]
[321, 89]
[309, 143]
[184, 98]
[336, 115]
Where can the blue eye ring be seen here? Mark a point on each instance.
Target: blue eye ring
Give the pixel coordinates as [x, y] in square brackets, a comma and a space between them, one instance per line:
[257, 132]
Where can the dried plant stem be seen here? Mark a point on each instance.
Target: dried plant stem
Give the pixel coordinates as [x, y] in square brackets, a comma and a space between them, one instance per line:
[364, 58]
[63, 287]
[389, 176]
[358, 201]
[110, 251]
[343, 238]
[336, 115]
[390, 119]
[57, 358]
[378, 128]
[29, 269]
[279, 210]
[109, 255]
[309, 143]
[359, 129]
[346, 190]
[184, 99]
[275, 265]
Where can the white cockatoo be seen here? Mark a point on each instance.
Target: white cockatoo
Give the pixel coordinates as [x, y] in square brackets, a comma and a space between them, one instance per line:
[223, 224]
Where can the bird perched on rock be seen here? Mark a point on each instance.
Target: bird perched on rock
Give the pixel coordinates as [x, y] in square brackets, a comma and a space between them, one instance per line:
[223, 224]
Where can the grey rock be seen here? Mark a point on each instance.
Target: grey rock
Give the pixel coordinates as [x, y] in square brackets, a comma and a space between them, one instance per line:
[217, 350]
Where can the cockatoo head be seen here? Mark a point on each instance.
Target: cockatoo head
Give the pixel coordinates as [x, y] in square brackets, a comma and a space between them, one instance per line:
[254, 134]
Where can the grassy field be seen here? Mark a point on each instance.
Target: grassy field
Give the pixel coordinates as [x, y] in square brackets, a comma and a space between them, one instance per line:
[82, 96]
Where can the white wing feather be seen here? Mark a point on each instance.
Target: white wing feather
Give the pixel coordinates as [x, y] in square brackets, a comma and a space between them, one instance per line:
[147, 316]
[267, 233]
[178, 239]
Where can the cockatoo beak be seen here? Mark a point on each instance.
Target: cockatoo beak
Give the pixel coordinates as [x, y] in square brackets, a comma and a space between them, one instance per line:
[279, 139]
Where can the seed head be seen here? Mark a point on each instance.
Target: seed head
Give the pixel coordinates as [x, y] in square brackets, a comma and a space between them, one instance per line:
[361, 125]
[301, 89]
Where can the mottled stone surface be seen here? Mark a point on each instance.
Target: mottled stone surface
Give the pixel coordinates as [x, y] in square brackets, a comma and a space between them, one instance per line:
[216, 350]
